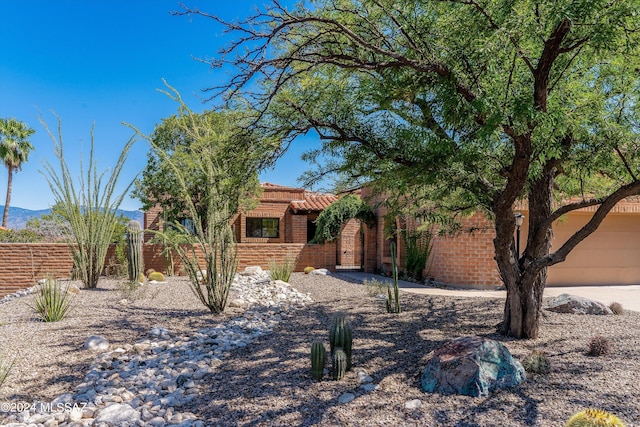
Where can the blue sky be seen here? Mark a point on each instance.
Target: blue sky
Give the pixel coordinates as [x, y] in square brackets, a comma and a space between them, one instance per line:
[101, 62]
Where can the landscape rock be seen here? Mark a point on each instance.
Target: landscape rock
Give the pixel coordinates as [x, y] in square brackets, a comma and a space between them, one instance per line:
[471, 366]
[413, 404]
[96, 343]
[252, 270]
[565, 303]
[346, 397]
[321, 272]
[118, 414]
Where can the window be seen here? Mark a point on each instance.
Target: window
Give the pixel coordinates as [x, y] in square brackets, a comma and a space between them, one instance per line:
[263, 227]
[311, 230]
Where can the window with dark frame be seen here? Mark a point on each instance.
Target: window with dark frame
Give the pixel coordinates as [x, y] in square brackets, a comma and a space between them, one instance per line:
[263, 227]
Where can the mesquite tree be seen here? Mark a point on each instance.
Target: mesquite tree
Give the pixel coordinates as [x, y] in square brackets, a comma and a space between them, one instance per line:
[473, 104]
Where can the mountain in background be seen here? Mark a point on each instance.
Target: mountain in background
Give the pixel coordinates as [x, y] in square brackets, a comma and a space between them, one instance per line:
[18, 217]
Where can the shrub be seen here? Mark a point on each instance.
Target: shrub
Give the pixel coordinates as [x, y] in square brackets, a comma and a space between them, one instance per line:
[52, 303]
[157, 276]
[20, 236]
[537, 362]
[282, 271]
[375, 287]
[598, 346]
[594, 418]
[616, 307]
[417, 249]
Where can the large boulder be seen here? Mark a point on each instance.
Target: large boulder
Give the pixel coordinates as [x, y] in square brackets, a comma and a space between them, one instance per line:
[471, 366]
[252, 270]
[565, 303]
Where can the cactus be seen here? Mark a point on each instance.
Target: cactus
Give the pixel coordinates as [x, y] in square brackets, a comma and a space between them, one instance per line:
[340, 336]
[318, 356]
[308, 270]
[594, 418]
[393, 300]
[135, 266]
[339, 364]
[157, 276]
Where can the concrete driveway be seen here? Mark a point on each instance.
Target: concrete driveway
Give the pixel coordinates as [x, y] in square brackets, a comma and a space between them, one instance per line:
[628, 296]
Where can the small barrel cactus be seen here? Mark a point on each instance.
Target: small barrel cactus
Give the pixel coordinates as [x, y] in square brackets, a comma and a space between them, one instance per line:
[594, 418]
[134, 251]
[340, 336]
[318, 356]
[157, 276]
[339, 364]
[308, 270]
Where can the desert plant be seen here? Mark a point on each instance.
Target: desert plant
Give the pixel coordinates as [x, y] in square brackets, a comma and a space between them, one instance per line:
[537, 362]
[5, 369]
[308, 270]
[594, 418]
[339, 364]
[318, 357]
[90, 206]
[417, 249]
[52, 302]
[598, 346]
[375, 287]
[157, 276]
[393, 298]
[282, 271]
[135, 262]
[616, 308]
[340, 336]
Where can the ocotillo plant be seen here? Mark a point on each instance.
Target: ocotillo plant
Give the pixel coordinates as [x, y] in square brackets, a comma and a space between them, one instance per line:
[135, 267]
[393, 300]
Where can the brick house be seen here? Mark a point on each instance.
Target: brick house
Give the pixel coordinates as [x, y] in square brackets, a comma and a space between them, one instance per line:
[284, 221]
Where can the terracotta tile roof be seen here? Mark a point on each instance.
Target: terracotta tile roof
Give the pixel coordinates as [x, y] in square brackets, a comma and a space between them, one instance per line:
[314, 202]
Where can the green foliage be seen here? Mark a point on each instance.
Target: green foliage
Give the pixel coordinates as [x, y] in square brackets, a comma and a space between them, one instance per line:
[537, 362]
[14, 151]
[178, 144]
[167, 239]
[339, 364]
[594, 418]
[598, 346]
[20, 236]
[393, 297]
[216, 200]
[417, 250]
[157, 276]
[135, 261]
[331, 219]
[52, 302]
[282, 271]
[318, 358]
[616, 308]
[89, 205]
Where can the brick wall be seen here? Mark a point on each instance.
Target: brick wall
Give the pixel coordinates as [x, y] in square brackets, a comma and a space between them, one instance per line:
[466, 259]
[22, 265]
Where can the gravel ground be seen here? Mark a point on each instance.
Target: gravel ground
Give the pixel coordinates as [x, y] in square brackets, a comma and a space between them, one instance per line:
[268, 383]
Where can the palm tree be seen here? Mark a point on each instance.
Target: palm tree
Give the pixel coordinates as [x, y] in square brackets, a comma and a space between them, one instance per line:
[14, 151]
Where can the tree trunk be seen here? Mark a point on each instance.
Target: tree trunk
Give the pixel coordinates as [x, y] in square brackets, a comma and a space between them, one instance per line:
[523, 305]
[5, 215]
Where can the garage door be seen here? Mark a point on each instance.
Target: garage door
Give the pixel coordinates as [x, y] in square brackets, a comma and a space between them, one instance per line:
[610, 256]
